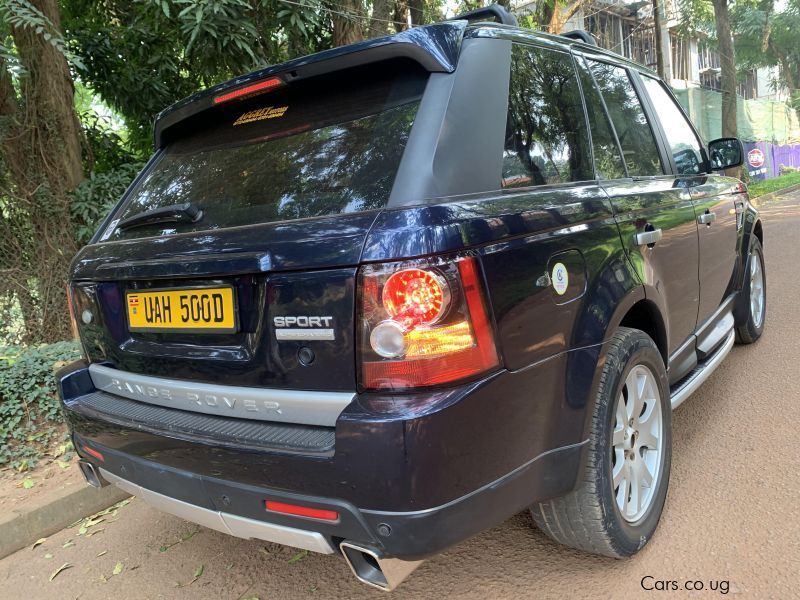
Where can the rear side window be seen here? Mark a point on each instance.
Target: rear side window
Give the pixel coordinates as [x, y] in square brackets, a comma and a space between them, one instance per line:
[633, 131]
[325, 146]
[607, 157]
[684, 145]
[546, 137]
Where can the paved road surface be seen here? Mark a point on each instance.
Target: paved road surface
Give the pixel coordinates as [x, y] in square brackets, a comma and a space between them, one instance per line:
[732, 513]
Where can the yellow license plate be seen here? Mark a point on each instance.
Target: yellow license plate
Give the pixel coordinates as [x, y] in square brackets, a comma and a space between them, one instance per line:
[188, 310]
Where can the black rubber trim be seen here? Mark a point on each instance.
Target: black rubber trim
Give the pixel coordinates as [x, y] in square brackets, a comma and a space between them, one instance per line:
[198, 427]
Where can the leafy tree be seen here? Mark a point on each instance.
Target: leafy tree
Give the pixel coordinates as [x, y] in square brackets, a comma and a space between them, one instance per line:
[765, 38]
[41, 163]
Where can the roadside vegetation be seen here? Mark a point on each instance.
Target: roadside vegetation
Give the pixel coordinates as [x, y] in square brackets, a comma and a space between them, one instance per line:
[31, 424]
[767, 186]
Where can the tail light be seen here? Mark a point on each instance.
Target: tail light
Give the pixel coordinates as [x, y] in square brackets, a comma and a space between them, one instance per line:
[72, 320]
[423, 323]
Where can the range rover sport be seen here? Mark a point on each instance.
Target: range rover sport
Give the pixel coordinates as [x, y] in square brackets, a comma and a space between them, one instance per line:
[377, 300]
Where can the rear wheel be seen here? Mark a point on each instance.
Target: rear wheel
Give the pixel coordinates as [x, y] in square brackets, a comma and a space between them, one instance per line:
[754, 296]
[618, 502]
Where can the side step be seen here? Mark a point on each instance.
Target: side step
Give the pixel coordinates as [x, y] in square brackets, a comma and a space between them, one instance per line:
[701, 372]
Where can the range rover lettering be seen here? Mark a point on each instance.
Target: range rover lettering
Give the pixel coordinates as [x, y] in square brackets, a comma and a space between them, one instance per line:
[374, 301]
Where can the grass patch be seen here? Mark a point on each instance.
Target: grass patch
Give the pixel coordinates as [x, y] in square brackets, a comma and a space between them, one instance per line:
[767, 186]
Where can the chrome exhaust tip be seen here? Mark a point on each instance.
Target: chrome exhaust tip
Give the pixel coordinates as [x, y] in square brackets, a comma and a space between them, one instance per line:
[91, 475]
[370, 567]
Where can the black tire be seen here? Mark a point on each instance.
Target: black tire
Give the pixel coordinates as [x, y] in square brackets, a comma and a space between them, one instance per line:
[588, 518]
[753, 327]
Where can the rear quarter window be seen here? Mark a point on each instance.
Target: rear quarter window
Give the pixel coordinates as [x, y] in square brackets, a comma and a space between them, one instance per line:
[322, 147]
[546, 137]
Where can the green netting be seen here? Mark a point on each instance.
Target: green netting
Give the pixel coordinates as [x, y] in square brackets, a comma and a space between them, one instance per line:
[757, 120]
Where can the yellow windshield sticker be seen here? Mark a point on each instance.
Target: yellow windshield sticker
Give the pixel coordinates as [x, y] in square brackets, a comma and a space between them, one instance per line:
[259, 114]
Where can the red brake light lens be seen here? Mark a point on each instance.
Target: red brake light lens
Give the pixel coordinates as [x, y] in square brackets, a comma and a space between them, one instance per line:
[415, 297]
[424, 324]
[261, 86]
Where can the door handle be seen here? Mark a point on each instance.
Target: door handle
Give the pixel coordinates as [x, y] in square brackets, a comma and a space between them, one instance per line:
[648, 238]
[707, 218]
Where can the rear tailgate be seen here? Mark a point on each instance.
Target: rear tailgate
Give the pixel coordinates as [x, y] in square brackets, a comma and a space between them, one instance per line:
[289, 183]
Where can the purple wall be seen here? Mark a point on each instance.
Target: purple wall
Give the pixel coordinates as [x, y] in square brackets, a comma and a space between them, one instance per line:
[773, 157]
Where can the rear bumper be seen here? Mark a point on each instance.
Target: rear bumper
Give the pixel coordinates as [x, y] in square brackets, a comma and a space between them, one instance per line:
[239, 509]
[407, 476]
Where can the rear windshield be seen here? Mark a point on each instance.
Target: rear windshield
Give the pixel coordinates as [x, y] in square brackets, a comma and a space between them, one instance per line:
[327, 146]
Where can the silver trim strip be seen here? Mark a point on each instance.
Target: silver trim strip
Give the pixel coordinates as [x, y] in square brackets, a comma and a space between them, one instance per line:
[296, 333]
[716, 335]
[234, 525]
[690, 386]
[284, 406]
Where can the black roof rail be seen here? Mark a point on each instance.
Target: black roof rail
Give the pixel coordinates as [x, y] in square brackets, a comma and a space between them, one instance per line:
[580, 35]
[493, 11]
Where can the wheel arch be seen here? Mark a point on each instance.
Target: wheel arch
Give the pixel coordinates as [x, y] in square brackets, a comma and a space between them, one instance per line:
[758, 231]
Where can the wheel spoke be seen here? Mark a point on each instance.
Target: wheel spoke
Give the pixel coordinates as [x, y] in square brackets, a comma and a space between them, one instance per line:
[645, 476]
[622, 414]
[620, 471]
[618, 438]
[647, 440]
[635, 503]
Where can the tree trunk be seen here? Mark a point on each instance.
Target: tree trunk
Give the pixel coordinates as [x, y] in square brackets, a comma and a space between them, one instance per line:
[416, 9]
[379, 23]
[662, 72]
[347, 22]
[400, 16]
[728, 67]
[560, 16]
[42, 151]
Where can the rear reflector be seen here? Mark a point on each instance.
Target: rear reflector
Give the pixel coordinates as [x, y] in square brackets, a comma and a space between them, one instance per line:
[302, 511]
[94, 453]
[261, 86]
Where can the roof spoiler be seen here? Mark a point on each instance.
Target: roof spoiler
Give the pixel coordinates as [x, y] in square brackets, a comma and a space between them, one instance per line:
[493, 11]
[434, 47]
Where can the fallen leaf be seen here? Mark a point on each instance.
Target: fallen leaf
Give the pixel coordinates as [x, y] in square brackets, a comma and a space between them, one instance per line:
[28, 483]
[298, 557]
[68, 543]
[199, 572]
[249, 598]
[38, 542]
[229, 567]
[48, 556]
[63, 567]
[91, 533]
[63, 464]
[82, 530]
[102, 553]
[118, 568]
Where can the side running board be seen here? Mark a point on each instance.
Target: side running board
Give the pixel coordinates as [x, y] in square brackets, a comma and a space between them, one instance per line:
[701, 372]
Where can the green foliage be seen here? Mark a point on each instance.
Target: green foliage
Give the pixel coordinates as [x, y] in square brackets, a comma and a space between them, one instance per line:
[29, 410]
[141, 57]
[96, 195]
[767, 186]
[24, 15]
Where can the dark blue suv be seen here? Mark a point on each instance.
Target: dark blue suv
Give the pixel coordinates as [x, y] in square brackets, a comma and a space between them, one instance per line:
[376, 300]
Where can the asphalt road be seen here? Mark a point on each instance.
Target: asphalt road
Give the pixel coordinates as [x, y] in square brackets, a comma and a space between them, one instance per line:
[732, 518]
